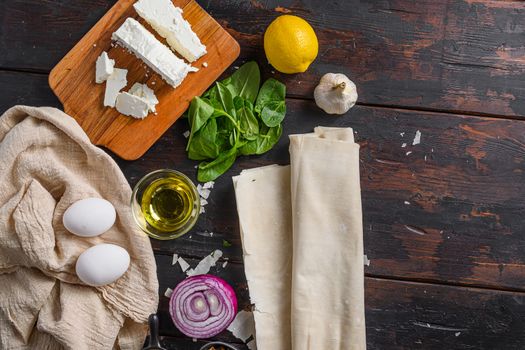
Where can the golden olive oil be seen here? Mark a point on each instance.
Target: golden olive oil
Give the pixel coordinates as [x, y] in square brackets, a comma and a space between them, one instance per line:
[169, 203]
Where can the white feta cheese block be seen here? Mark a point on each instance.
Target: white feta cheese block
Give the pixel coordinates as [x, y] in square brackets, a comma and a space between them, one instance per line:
[116, 82]
[133, 36]
[132, 105]
[167, 20]
[103, 67]
[142, 90]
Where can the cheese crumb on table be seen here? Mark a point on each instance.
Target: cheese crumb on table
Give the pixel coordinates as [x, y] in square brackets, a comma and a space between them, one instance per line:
[417, 138]
[243, 325]
[205, 264]
[168, 292]
[183, 264]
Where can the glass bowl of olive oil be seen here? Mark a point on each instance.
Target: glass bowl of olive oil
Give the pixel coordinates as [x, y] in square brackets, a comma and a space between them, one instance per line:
[165, 204]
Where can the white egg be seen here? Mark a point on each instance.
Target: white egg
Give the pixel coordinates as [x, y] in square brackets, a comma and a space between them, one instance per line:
[89, 217]
[102, 264]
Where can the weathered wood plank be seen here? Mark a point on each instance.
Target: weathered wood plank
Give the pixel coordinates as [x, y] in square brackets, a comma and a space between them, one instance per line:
[399, 315]
[460, 55]
[26, 89]
[464, 219]
[447, 209]
[37, 34]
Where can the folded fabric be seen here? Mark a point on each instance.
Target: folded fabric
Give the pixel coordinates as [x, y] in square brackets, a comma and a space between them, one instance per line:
[48, 163]
[301, 229]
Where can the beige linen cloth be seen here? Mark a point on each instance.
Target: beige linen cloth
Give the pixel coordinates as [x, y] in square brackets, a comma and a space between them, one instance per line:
[48, 163]
[302, 235]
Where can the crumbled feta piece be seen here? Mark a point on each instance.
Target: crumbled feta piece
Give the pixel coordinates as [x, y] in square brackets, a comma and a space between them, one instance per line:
[183, 264]
[366, 261]
[208, 184]
[203, 192]
[205, 264]
[168, 292]
[417, 138]
[103, 67]
[167, 20]
[132, 105]
[175, 258]
[143, 91]
[403, 145]
[186, 134]
[115, 82]
[205, 64]
[243, 325]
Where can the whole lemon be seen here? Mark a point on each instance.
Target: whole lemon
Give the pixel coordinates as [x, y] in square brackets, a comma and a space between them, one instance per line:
[290, 44]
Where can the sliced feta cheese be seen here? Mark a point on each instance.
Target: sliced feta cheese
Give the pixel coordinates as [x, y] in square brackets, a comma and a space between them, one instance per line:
[103, 67]
[142, 90]
[116, 82]
[134, 37]
[167, 20]
[132, 105]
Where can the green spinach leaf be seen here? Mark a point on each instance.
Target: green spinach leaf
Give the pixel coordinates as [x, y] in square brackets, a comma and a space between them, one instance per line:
[198, 114]
[273, 113]
[204, 144]
[245, 81]
[233, 117]
[248, 122]
[271, 91]
[209, 171]
[226, 99]
[264, 142]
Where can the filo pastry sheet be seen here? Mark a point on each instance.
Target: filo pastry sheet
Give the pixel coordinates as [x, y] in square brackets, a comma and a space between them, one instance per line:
[302, 234]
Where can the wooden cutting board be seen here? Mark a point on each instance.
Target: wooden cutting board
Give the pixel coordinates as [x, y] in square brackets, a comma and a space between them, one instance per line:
[73, 80]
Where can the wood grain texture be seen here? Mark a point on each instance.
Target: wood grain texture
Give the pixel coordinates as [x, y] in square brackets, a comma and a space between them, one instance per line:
[459, 55]
[456, 55]
[464, 184]
[399, 315]
[73, 80]
[449, 209]
[25, 89]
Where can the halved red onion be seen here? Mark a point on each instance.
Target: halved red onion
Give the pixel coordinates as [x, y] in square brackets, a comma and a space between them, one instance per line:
[203, 306]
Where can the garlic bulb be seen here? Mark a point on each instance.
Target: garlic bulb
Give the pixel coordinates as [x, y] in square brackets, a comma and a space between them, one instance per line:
[335, 94]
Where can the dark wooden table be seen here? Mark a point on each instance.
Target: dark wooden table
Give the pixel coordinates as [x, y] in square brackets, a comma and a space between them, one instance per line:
[444, 225]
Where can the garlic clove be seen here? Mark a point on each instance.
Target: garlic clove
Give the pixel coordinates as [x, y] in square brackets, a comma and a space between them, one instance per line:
[335, 93]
